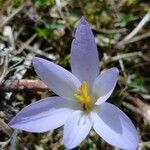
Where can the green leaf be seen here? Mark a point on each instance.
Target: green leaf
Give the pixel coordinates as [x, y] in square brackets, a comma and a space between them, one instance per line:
[125, 19]
[42, 32]
[53, 26]
[44, 3]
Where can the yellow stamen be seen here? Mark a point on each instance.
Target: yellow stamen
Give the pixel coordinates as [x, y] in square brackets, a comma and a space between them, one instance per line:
[83, 96]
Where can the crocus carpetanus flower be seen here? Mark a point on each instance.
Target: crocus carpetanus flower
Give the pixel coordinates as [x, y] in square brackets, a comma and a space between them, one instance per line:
[81, 103]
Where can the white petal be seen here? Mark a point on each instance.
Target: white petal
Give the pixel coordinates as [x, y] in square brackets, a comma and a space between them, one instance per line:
[44, 115]
[76, 129]
[84, 54]
[115, 127]
[104, 85]
[58, 79]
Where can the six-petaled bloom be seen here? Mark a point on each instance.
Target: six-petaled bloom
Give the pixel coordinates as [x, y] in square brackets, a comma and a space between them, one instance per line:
[81, 103]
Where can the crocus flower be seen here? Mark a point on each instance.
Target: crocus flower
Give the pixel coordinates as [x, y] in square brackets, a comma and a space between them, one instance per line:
[81, 103]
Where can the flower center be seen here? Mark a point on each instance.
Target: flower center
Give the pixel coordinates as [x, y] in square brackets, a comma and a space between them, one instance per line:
[83, 96]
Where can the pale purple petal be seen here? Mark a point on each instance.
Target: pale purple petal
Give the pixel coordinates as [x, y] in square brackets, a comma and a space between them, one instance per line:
[44, 115]
[84, 54]
[58, 79]
[76, 129]
[115, 127]
[104, 84]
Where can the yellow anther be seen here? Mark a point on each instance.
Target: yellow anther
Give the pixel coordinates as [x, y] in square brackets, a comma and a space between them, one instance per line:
[83, 96]
[79, 98]
[86, 88]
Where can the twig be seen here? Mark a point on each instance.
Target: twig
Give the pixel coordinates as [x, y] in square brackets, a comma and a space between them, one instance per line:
[21, 70]
[5, 127]
[4, 6]
[4, 144]
[108, 31]
[122, 67]
[26, 44]
[137, 38]
[4, 71]
[13, 140]
[122, 56]
[144, 145]
[143, 107]
[11, 16]
[145, 19]
[34, 49]
[59, 8]
[132, 108]
[17, 85]
[9, 34]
